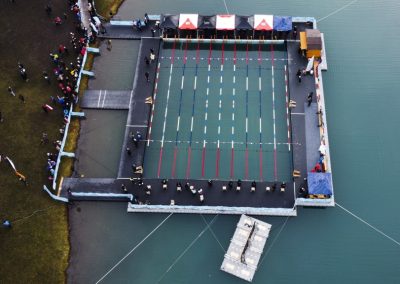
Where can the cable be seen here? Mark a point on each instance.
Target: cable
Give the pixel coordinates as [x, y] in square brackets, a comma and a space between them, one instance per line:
[132, 250]
[368, 224]
[273, 242]
[187, 248]
[337, 11]
[226, 7]
[212, 232]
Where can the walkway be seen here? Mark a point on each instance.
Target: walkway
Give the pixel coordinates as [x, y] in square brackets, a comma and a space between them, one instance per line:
[106, 99]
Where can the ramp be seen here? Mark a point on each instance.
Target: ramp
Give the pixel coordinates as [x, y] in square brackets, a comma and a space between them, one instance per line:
[106, 99]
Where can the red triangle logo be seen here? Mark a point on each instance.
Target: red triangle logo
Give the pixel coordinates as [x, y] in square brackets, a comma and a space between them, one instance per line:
[263, 25]
[188, 25]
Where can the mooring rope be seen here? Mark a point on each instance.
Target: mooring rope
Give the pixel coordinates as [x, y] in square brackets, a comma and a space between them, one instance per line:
[368, 224]
[132, 250]
[212, 232]
[187, 248]
[337, 10]
[273, 241]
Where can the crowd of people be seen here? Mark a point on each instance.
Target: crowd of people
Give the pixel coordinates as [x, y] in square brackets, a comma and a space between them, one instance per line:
[65, 74]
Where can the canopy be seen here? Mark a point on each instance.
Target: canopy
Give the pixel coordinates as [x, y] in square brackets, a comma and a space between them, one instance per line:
[319, 183]
[263, 22]
[225, 22]
[188, 21]
[207, 22]
[244, 23]
[169, 21]
[282, 23]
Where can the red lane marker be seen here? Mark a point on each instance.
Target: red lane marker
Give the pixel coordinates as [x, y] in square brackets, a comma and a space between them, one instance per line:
[232, 162]
[247, 53]
[159, 162]
[173, 53]
[272, 54]
[203, 158]
[174, 162]
[261, 164]
[197, 53]
[184, 55]
[247, 163]
[222, 62]
[209, 54]
[188, 163]
[234, 53]
[217, 164]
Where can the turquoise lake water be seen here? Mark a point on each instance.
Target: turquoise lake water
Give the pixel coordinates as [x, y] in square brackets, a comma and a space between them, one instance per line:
[319, 245]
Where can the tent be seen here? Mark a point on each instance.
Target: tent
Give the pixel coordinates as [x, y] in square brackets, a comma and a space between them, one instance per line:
[226, 25]
[169, 25]
[207, 25]
[188, 24]
[263, 26]
[188, 21]
[319, 183]
[282, 23]
[282, 26]
[244, 26]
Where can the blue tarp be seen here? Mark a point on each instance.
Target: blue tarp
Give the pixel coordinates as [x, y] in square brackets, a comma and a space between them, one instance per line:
[319, 183]
[282, 23]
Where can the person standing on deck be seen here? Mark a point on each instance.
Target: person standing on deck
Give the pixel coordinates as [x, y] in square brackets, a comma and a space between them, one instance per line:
[147, 76]
[309, 98]
[11, 91]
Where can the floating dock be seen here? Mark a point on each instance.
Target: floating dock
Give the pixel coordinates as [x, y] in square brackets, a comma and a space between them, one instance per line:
[269, 174]
[246, 247]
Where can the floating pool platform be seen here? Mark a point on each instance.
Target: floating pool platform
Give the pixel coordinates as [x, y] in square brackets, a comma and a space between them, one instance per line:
[246, 247]
[225, 125]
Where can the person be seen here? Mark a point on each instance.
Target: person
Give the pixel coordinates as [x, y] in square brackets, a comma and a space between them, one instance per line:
[22, 98]
[124, 189]
[146, 60]
[48, 9]
[1, 117]
[11, 91]
[147, 76]
[153, 32]
[298, 74]
[46, 77]
[7, 224]
[57, 21]
[23, 74]
[109, 45]
[210, 182]
[309, 98]
[152, 56]
[128, 150]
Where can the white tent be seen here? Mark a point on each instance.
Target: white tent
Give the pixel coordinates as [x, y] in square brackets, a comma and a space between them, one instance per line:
[263, 22]
[188, 21]
[226, 22]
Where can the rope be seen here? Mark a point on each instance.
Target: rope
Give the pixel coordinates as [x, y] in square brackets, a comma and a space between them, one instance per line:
[368, 224]
[212, 232]
[226, 7]
[273, 242]
[187, 248]
[337, 11]
[132, 250]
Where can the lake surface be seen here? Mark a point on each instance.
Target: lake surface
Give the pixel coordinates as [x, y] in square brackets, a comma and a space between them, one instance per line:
[320, 245]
